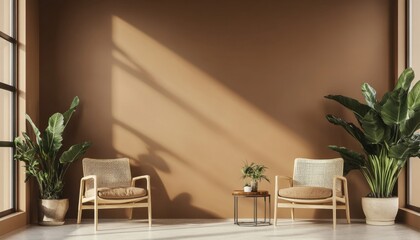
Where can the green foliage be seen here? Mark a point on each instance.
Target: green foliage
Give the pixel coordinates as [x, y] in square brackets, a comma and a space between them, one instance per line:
[381, 173]
[414, 99]
[254, 172]
[387, 133]
[40, 154]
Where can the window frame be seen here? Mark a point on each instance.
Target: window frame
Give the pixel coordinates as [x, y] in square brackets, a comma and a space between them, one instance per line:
[13, 90]
[409, 60]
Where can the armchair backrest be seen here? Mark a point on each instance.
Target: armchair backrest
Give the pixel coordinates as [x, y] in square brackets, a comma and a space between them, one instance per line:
[109, 172]
[317, 172]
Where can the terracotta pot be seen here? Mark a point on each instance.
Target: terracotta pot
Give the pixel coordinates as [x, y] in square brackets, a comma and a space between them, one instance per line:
[52, 211]
[380, 211]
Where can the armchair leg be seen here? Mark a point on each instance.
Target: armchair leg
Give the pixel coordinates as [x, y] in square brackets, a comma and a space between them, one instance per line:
[292, 214]
[334, 213]
[275, 211]
[79, 205]
[130, 214]
[79, 212]
[149, 208]
[96, 214]
[347, 210]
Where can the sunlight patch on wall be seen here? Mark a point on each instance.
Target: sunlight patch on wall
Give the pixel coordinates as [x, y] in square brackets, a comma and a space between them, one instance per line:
[204, 130]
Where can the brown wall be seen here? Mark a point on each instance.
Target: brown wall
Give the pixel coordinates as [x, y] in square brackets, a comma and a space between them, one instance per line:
[189, 90]
[32, 80]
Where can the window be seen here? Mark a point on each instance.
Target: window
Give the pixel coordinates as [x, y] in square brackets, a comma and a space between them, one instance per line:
[413, 166]
[8, 52]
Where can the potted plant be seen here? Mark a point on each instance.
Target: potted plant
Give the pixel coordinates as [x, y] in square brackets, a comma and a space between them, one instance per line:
[387, 135]
[255, 172]
[247, 187]
[40, 156]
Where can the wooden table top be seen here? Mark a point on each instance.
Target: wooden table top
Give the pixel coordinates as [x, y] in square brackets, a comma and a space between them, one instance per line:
[242, 193]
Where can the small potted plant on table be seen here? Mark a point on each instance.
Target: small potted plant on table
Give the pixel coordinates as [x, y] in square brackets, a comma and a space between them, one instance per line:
[255, 172]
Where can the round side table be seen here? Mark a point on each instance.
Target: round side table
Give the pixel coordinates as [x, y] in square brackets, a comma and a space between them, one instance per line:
[254, 195]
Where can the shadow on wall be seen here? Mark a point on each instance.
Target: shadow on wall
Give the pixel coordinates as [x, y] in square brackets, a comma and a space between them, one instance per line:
[188, 91]
[149, 163]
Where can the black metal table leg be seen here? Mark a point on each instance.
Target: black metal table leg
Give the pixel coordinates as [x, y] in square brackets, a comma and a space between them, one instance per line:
[255, 211]
[235, 210]
[265, 210]
[269, 209]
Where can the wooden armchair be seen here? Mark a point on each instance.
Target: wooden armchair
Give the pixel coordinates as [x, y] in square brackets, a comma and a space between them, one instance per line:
[315, 184]
[107, 184]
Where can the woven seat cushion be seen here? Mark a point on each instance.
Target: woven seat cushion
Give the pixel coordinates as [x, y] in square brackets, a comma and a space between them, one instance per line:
[305, 192]
[118, 193]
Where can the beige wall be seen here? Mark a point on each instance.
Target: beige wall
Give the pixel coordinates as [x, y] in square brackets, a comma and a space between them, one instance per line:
[188, 90]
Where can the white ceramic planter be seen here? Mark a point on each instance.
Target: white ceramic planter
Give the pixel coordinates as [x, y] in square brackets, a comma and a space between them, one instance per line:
[247, 189]
[52, 211]
[380, 211]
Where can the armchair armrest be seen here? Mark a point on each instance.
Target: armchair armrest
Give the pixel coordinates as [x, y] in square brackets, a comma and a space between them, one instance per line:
[89, 177]
[147, 177]
[343, 181]
[83, 182]
[341, 178]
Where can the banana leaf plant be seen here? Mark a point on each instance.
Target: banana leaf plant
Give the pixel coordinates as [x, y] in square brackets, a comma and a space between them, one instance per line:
[40, 155]
[386, 133]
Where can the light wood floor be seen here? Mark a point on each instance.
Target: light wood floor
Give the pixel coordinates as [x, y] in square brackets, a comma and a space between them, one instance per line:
[174, 229]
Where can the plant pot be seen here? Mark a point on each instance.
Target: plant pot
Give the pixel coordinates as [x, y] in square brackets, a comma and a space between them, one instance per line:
[254, 186]
[247, 189]
[52, 211]
[380, 211]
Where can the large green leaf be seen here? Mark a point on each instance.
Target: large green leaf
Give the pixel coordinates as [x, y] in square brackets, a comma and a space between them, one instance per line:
[394, 109]
[414, 99]
[358, 108]
[74, 152]
[354, 131]
[53, 135]
[383, 100]
[352, 160]
[67, 115]
[373, 126]
[370, 95]
[405, 79]
[349, 127]
[411, 125]
[35, 129]
[404, 150]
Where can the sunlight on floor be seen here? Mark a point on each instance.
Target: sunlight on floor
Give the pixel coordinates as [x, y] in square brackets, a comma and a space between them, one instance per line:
[212, 229]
